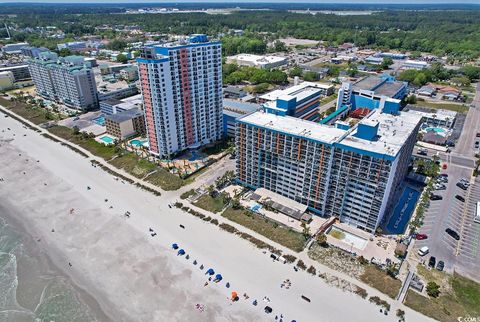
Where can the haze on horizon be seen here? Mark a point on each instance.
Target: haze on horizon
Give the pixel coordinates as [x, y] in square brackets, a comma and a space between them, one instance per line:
[233, 2]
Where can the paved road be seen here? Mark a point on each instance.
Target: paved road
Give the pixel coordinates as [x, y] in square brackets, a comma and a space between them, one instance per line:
[467, 139]
[463, 255]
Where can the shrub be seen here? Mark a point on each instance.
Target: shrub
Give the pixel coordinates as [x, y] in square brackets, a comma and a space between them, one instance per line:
[207, 218]
[401, 314]
[214, 221]
[178, 204]
[301, 265]
[361, 292]
[433, 289]
[289, 258]
[228, 228]
[312, 270]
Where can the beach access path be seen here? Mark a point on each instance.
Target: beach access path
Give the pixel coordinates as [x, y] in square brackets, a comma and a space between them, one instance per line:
[137, 277]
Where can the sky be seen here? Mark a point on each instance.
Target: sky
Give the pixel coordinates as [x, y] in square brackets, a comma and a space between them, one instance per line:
[254, 1]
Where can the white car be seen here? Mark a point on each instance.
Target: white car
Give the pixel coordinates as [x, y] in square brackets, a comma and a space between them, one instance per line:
[423, 251]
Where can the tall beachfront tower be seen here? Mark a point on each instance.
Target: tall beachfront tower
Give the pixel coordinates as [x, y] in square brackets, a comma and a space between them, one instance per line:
[181, 86]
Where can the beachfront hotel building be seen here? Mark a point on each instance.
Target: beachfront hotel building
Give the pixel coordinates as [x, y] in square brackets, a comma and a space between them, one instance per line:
[67, 80]
[181, 86]
[353, 173]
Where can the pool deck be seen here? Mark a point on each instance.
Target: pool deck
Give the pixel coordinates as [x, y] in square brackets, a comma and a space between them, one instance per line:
[379, 248]
[85, 123]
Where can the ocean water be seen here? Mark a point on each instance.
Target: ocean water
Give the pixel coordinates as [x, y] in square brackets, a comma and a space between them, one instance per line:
[31, 290]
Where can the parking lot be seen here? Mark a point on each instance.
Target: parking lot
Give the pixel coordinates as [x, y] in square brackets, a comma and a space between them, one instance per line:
[462, 255]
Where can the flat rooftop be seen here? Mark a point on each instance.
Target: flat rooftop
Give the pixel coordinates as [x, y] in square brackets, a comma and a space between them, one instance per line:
[393, 131]
[125, 115]
[368, 83]
[240, 107]
[294, 126]
[389, 89]
[300, 91]
[437, 114]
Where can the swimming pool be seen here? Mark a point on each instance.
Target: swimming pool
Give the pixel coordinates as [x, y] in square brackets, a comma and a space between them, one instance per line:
[99, 120]
[107, 139]
[137, 143]
[403, 211]
[437, 130]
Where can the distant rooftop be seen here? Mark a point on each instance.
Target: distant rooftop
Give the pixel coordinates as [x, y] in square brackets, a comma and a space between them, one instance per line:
[300, 91]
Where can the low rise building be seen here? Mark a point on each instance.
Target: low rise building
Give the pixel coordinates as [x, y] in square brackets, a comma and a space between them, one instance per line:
[258, 61]
[233, 92]
[415, 64]
[117, 92]
[32, 52]
[126, 124]
[14, 48]
[6, 80]
[300, 101]
[73, 45]
[436, 118]
[114, 106]
[232, 110]
[129, 74]
[20, 72]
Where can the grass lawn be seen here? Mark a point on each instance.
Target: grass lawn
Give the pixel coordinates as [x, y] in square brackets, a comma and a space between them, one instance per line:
[34, 114]
[209, 203]
[328, 99]
[381, 281]
[444, 106]
[96, 148]
[187, 194]
[132, 164]
[273, 231]
[459, 296]
[165, 180]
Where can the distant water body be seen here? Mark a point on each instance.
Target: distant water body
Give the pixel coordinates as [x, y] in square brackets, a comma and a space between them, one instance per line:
[31, 289]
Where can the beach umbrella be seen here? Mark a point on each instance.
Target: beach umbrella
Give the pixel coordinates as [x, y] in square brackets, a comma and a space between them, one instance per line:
[181, 252]
[174, 246]
[210, 271]
[234, 295]
[218, 277]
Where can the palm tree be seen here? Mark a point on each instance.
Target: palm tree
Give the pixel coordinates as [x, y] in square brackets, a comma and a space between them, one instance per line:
[322, 239]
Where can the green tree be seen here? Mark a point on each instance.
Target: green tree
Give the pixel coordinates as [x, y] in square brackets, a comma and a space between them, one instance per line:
[121, 58]
[310, 76]
[433, 289]
[386, 62]
[64, 52]
[117, 44]
[295, 71]
[321, 239]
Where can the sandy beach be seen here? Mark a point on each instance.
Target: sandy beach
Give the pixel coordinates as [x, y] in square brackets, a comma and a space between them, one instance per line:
[133, 276]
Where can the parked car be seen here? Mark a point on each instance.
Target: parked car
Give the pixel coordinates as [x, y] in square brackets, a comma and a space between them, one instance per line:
[478, 135]
[435, 197]
[444, 166]
[440, 265]
[460, 198]
[452, 233]
[477, 144]
[422, 151]
[444, 175]
[462, 186]
[421, 236]
[432, 261]
[423, 251]
[440, 186]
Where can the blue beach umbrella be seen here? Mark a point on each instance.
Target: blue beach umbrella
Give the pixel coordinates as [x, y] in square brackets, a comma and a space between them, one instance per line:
[181, 252]
[210, 271]
[174, 246]
[218, 277]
